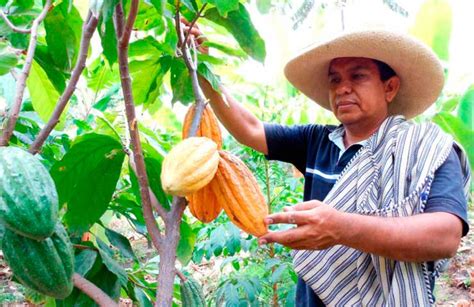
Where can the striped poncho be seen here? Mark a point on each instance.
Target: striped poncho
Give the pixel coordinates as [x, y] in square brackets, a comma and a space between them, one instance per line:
[389, 176]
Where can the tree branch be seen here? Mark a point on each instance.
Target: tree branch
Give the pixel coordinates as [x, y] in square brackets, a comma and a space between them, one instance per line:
[167, 274]
[192, 24]
[118, 20]
[192, 67]
[95, 293]
[122, 49]
[127, 30]
[21, 83]
[164, 296]
[90, 24]
[12, 26]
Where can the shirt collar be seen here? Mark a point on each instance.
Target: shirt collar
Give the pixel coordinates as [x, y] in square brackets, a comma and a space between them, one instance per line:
[337, 137]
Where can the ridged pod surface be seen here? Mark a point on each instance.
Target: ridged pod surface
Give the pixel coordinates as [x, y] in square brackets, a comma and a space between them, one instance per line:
[203, 205]
[240, 195]
[45, 266]
[189, 166]
[208, 127]
[28, 197]
[191, 293]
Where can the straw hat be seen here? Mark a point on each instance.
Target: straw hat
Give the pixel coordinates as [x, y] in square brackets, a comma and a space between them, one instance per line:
[416, 64]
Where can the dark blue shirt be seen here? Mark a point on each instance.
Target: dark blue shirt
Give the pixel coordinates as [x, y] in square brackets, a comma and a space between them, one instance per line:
[315, 152]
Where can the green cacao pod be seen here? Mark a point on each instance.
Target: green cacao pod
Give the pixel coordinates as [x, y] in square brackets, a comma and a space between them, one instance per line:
[191, 293]
[45, 266]
[28, 197]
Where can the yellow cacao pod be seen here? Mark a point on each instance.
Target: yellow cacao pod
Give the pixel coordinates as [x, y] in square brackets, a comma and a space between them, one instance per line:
[203, 205]
[240, 195]
[189, 166]
[208, 127]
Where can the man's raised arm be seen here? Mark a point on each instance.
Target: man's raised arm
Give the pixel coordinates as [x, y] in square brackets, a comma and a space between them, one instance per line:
[242, 124]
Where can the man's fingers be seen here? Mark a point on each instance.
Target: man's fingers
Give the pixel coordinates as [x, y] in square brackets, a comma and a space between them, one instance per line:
[290, 217]
[283, 237]
[307, 205]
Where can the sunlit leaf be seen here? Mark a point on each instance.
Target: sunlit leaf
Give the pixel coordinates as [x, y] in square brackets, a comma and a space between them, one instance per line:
[225, 6]
[459, 131]
[147, 78]
[466, 108]
[433, 26]
[239, 24]
[8, 58]
[44, 95]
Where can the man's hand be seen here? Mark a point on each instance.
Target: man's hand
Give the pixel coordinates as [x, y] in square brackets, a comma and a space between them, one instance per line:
[196, 35]
[416, 238]
[318, 226]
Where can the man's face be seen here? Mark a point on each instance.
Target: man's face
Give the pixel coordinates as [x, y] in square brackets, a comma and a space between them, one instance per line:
[356, 92]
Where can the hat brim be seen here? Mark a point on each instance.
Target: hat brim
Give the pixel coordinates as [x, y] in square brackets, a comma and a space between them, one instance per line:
[420, 71]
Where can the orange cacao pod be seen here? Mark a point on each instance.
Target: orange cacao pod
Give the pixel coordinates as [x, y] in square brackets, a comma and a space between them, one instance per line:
[189, 166]
[203, 205]
[208, 127]
[240, 195]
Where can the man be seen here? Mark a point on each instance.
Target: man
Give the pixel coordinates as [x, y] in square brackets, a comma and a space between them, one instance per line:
[385, 199]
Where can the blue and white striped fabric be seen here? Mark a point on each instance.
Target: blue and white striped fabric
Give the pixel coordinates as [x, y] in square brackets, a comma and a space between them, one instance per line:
[389, 176]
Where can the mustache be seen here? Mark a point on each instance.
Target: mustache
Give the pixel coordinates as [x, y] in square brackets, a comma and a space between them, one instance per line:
[345, 100]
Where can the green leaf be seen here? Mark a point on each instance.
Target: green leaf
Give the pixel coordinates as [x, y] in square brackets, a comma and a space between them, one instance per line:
[108, 9]
[249, 289]
[433, 25]
[450, 104]
[189, 4]
[186, 243]
[8, 58]
[63, 27]
[143, 300]
[466, 108]
[459, 131]
[111, 264]
[153, 162]
[205, 71]
[229, 50]
[120, 242]
[147, 48]
[225, 6]
[181, 83]
[108, 39]
[44, 95]
[56, 75]
[147, 78]
[86, 178]
[239, 24]
[160, 5]
[148, 19]
[84, 261]
[276, 275]
[101, 76]
[19, 6]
